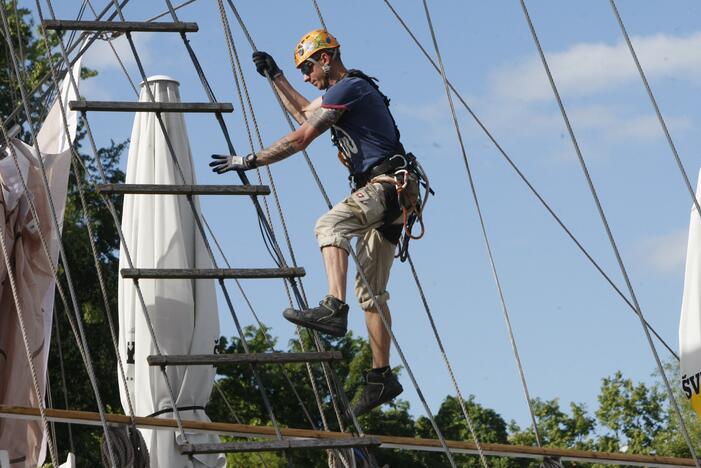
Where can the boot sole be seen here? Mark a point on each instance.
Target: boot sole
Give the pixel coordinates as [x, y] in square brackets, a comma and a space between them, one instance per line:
[320, 327]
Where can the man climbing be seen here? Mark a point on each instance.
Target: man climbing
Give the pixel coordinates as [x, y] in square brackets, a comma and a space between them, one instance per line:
[384, 185]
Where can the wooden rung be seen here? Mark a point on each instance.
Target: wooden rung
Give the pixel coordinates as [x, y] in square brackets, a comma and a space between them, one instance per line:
[119, 26]
[216, 273]
[160, 189]
[130, 106]
[275, 445]
[242, 358]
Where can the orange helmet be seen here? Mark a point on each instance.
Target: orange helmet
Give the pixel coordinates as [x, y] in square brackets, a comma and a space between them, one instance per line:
[311, 43]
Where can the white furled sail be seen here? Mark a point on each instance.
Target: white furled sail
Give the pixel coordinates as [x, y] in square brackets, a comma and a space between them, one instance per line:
[690, 323]
[160, 232]
[25, 439]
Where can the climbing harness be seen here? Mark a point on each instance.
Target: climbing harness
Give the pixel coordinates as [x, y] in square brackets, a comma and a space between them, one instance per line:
[395, 174]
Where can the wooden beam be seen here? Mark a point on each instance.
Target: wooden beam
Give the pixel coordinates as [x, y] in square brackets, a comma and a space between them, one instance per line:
[404, 443]
[216, 273]
[119, 26]
[242, 358]
[161, 189]
[131, 106]
[276, 445]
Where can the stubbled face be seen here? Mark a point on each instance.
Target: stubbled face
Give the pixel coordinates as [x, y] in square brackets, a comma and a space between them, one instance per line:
[316, 75]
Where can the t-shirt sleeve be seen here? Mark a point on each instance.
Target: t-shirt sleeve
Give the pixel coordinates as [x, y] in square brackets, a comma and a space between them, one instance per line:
[343, 95]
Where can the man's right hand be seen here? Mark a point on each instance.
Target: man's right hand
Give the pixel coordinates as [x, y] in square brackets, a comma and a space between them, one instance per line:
[265, 63]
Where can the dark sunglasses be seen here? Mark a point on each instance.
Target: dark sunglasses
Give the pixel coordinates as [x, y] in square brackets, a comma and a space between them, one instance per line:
[306, 67]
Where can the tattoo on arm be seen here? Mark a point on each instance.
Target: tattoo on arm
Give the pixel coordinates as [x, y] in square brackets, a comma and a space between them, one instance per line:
[323, 118]
[276, 152]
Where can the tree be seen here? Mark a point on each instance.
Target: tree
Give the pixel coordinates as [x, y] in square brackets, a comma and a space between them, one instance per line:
[631, 414]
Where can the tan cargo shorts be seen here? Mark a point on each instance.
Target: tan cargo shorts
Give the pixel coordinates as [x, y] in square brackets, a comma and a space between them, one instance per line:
[359, 215]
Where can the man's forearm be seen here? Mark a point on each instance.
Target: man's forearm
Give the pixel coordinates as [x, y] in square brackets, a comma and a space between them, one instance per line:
[281, 149]
[293, 101]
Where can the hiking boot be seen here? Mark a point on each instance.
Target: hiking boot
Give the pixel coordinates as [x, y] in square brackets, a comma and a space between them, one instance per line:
[381, 387]
[331, 317]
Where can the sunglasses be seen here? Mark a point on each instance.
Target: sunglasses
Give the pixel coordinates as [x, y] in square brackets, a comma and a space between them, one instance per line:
[306, 67]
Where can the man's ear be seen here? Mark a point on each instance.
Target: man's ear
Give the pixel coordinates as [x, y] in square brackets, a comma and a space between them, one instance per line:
[325, 58]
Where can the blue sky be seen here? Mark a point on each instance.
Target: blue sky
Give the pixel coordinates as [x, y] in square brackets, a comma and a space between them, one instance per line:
[571, 328]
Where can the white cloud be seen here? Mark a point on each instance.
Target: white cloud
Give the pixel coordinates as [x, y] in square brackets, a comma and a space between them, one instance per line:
[585, 69]
[665, 253]
[616, 124]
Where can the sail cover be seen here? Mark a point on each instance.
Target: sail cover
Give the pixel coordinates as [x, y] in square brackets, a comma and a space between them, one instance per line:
[160, 232]
[690, 323]
[24, 439]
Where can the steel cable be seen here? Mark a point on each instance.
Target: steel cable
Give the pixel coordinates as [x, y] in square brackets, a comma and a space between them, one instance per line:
[523, 177]
[653, 101]
[609, 234]
[485, 237]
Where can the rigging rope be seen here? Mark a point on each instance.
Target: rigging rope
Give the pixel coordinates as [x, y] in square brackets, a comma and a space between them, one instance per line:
[236, 66]
[523, 177]
[609, 234]
[59, 346]
[653, 101]
[485, 237]
[54, 219]
[360, 271]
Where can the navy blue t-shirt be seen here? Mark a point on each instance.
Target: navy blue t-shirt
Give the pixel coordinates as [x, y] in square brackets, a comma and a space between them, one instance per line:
[365, 130]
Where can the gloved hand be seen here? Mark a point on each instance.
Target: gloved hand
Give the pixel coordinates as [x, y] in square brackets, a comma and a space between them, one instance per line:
[265, 63]
[230, 162]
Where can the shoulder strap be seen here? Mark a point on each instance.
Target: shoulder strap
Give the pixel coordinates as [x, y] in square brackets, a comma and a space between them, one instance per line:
[373, 82]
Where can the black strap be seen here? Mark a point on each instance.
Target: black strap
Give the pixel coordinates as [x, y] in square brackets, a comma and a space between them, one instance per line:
[354, 73]
[170, 410]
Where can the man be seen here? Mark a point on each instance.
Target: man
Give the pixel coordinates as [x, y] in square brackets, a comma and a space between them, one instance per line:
[368, 140]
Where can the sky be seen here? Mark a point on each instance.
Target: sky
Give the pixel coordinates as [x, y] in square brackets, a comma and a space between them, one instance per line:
[570, 326]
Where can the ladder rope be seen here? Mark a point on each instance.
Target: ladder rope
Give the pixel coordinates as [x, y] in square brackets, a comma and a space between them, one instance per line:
[525, 180]
[329, 375]
[604, 221]
[54, 220]
[237, 69]
[196, 216]
[219, 247]
[265, 227]
[653, 101]
[110, 206]
[361, 273]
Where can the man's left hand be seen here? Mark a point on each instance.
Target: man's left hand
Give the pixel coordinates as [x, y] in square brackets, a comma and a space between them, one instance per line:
[230, 162]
